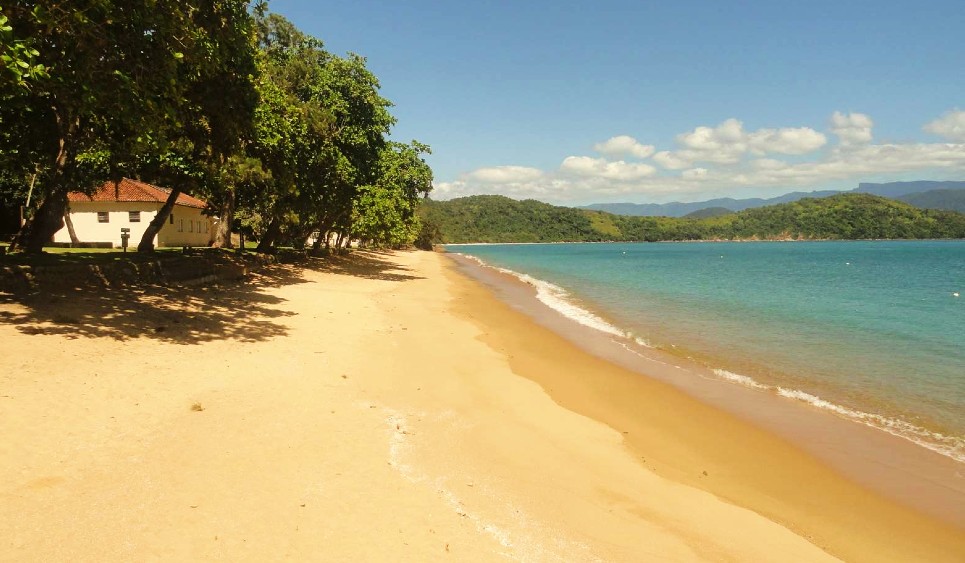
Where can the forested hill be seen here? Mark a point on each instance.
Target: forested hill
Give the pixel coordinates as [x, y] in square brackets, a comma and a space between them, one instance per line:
[490, 218]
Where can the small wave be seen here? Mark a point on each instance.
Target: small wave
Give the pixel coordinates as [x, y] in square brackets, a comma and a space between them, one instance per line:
[640, 340]
[949, 446]
[946, 445]
[558, 299]
[740, 379]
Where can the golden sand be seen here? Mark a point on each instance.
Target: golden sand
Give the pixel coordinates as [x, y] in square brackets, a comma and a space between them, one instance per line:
[385, 408]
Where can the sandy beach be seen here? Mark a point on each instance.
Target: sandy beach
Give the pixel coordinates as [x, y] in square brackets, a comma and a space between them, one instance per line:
[385, 407]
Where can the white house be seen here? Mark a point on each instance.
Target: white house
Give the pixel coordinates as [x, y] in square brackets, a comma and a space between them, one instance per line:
[132, 204]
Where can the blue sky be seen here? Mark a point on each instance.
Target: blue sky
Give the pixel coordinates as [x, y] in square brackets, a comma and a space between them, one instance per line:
[581, 102]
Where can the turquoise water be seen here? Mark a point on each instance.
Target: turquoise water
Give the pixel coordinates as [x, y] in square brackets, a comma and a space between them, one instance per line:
[871, 330]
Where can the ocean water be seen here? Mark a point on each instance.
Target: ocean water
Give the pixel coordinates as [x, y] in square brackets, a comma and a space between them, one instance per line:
[871, 330]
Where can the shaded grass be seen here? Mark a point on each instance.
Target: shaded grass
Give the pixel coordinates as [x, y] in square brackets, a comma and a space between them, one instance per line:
[53, 256]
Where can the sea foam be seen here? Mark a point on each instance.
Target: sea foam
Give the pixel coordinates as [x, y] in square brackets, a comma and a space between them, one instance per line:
[558, 299]
[739, 379]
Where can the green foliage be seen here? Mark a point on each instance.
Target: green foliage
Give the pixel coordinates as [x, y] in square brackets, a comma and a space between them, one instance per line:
[604, 224]
[491, 218]
[378, 217]
[386, 212]
[428, 235]
[18, 59]
[708, 212]
[845, 216]
[321, 137]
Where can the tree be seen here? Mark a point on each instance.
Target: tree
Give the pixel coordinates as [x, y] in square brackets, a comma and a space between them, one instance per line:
[217, 116]
[385, 213]
[321, 129]
[122, 78]
[292, 128]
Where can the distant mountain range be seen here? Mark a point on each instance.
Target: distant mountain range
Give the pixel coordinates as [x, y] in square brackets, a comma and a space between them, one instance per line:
[952, 200]
[923, 193]
[897, 189]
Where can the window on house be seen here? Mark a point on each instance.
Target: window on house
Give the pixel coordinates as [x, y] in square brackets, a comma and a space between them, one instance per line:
[205, 226]
[103, 217]
[172, 218]
[180, 225]
[190, 226]
[134, 216]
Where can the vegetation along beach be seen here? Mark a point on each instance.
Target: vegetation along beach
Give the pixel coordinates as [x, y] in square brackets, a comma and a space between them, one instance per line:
[657, 283]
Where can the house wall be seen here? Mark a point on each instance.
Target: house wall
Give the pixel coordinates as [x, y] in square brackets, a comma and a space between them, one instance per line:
[190, 227]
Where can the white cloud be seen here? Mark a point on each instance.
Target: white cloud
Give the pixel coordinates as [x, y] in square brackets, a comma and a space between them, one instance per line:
[732, 161]
[852, 129]
[602, 168]
[713, 138]
[623, 145]
[951, 126]
[694, 173]
[723, 144]
[671, 161]
[727, 143]
[790, 140]
[855, 162]
[505, 174]
[768, 164]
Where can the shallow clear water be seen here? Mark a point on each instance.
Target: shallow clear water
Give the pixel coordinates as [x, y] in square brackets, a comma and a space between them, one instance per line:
[871, 327]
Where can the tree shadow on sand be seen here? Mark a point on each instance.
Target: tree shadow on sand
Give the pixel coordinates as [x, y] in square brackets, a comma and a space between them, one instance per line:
[242, 311]
[368, 264]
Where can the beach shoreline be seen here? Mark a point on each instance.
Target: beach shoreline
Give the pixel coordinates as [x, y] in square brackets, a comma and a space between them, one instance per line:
[877, 350]
[892, 477]
[892, 465]
[387, 406]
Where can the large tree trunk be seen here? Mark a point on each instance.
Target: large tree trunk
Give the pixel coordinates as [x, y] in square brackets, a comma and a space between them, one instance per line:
[70, 227]
[324, 233]
[271, 234]
[222, 238]
[154, 227]
[49, 218]
[40, 229]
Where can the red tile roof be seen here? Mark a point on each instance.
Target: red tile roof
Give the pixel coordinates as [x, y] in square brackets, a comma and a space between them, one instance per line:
[135, 191]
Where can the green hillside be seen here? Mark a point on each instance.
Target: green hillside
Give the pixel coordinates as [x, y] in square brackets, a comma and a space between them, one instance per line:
[708, 212]
[493, 218]
[844, 216]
